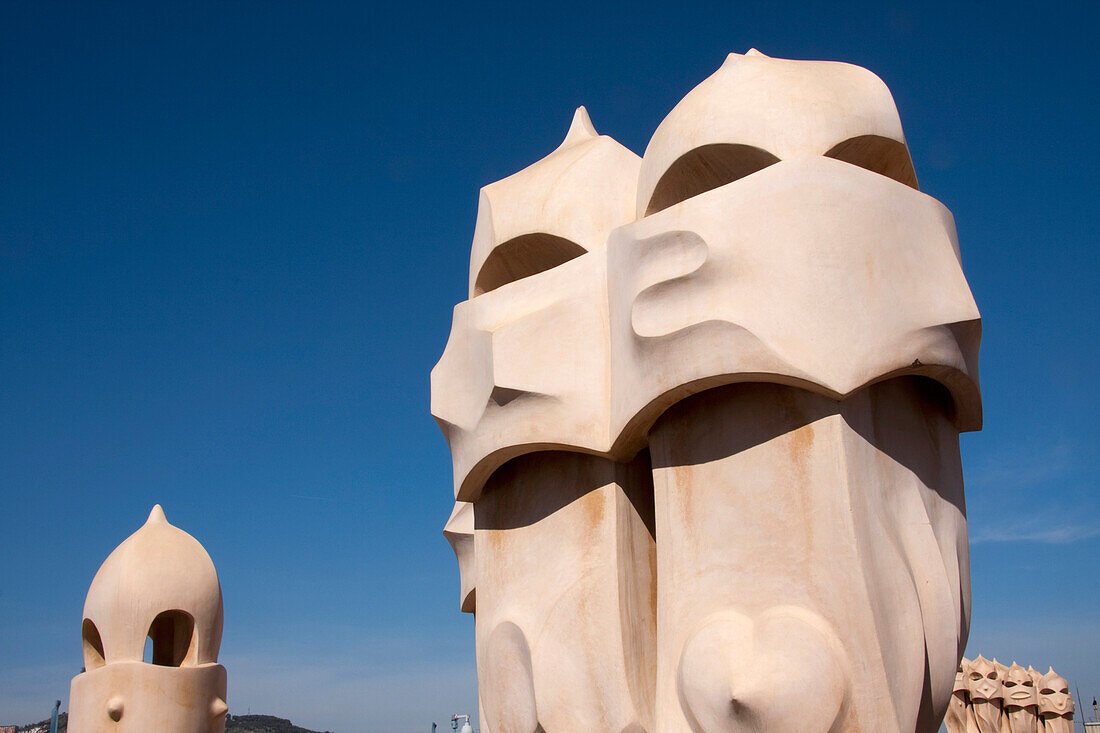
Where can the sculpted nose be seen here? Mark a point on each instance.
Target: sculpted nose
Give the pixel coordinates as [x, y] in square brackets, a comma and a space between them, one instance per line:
[114, 709]
[781, 673]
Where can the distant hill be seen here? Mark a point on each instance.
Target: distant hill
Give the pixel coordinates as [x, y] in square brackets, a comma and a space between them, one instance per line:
[62, 725]
[233, 724]
[262, 724]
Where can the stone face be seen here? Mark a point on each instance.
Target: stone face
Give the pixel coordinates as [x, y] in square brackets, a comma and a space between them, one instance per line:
[705, 407]
[986, 694]
[1021, 701]
[159, 584]
[1055, 703]
[992, 697]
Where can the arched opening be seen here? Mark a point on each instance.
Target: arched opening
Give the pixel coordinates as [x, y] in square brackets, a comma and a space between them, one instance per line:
[173, 637]
[704, 168]
[877, 154]
[93, 646]
[522, 257]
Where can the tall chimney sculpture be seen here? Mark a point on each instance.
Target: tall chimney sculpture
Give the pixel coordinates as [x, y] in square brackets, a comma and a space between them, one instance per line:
[705, 406]
[1021, 701]
[158, 584]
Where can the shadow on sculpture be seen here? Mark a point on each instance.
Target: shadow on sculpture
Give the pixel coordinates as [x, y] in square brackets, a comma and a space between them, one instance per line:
[530, 488]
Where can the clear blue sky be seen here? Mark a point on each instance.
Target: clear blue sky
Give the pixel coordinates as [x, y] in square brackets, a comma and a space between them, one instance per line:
[231, 235]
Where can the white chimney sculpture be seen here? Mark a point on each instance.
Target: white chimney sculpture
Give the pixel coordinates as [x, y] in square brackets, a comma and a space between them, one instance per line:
[705, 406]
[158, 584]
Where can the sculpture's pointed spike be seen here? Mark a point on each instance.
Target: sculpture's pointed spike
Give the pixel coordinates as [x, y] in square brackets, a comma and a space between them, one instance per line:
[734, 58]
[580, 129]
[157, 515]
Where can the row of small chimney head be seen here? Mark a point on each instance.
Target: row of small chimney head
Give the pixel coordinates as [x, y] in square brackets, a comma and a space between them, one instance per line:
[984, 680]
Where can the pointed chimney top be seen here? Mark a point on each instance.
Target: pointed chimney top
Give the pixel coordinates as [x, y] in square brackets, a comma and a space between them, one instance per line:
[157, 515]
[580, 129]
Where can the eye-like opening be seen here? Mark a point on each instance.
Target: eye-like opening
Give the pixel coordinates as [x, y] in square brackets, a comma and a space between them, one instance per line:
[975, 676]
[705, 168]
[1028, 683]
[1046, 691]
[93, 646]
[877, 154]
[1009, 683]
[173, 637]
[523, 256]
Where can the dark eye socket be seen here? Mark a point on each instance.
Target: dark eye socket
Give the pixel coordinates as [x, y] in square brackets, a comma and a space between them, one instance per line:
[705, 168]
[877, 154]
[522, 257]
[975, 675]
